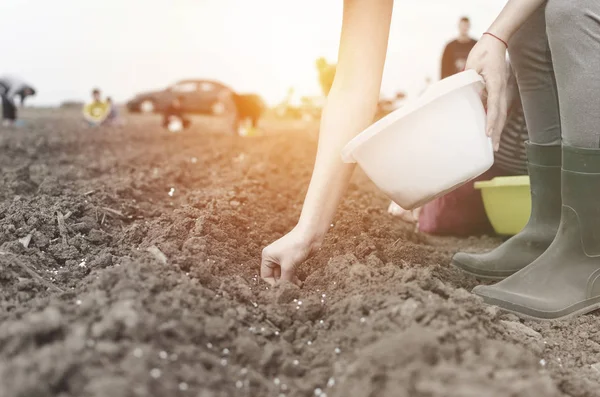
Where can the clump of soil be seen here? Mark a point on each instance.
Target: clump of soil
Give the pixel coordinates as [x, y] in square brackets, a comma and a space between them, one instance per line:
[129, 264]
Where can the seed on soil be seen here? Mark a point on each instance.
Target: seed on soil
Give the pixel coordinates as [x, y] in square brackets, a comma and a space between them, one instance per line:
[244, 371]
[155, 373]
[337, 350]
[321, 322]
[295, 362]
[331, 382]
[163, 354]
[183, 386]
[323, 296]
[194, 160]
[276, 333]
[138, 352]
[209, 345]
[318, 392]
[78, 302]
[225, 351]
[299, 303]
[309, 343]
[276, 381]
[239, 384]
[543, 362]
[171, 192]
[362, 319]
[82, 264]
[223, 362]
[284, 387]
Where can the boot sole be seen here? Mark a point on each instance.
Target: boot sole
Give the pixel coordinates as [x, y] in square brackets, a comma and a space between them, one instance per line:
[549, 315]
[480, 275]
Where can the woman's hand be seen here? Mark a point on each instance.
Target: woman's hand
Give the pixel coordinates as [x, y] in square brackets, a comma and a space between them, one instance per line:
[488, 58]
[280, 259]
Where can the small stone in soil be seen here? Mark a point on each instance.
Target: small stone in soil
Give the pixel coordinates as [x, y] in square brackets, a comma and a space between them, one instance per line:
[239, 384]
[155, 373]
[284, 387]
[163, 354]
[223, 362]
[244, 371]
[138, 352]
[171, 192]
[183, 386]
[295, 362]
[209, 345]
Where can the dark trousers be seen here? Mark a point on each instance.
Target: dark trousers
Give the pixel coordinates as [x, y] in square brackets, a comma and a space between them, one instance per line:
[9, 109]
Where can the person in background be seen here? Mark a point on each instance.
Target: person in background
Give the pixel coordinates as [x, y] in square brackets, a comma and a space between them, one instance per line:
[174, 113]
[113, 113]
[97, 111]
[10, 88]
[456, 52]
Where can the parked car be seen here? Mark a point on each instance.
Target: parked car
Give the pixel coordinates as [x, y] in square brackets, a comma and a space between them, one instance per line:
[196, 96]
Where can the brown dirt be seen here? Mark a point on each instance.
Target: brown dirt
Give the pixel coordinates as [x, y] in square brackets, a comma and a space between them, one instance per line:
[91, 307]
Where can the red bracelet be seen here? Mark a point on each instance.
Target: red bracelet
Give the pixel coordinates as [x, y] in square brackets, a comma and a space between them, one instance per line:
[497, 38]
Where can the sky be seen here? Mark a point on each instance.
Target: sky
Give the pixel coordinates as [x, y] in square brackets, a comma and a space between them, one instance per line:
[66, 47]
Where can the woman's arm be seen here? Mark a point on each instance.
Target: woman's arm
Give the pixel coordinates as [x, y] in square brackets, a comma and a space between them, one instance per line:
[488, 58]
[350, 108]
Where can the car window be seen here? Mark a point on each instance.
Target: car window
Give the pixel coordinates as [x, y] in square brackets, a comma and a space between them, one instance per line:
[185, 87]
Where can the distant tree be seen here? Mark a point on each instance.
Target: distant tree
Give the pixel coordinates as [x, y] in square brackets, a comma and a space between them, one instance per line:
[326, 74]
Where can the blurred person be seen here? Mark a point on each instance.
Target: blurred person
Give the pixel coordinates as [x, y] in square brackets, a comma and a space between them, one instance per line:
[550, 269]
[326, 74]
[10, 88]
[456, 52]
[249, 109]
[97, 111]
[113, 113]
[174, 114]
[351, 106]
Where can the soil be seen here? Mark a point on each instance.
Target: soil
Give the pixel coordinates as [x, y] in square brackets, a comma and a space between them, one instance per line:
[129, 262]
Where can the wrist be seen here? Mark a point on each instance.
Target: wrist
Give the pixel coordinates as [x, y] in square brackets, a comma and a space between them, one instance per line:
[311, 232]
[497, 38]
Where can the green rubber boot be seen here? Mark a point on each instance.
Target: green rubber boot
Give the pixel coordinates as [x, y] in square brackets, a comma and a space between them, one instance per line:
[519, 251]
[565, 280]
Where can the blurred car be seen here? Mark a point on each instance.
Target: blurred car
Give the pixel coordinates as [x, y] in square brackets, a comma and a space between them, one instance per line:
[196, 96]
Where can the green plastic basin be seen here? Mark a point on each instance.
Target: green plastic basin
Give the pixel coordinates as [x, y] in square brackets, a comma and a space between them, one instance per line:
[507, 203]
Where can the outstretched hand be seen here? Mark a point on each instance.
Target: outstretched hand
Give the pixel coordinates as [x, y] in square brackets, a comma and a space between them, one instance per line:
[280, 259]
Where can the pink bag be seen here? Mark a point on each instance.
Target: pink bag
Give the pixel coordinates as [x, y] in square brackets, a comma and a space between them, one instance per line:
[460, 212]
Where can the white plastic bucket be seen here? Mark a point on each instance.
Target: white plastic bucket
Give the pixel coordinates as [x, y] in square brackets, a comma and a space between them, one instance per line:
[428, 147]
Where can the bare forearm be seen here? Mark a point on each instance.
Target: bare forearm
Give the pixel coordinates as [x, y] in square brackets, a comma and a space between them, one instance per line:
[344, 117]
[350, 108]
[514, 14]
